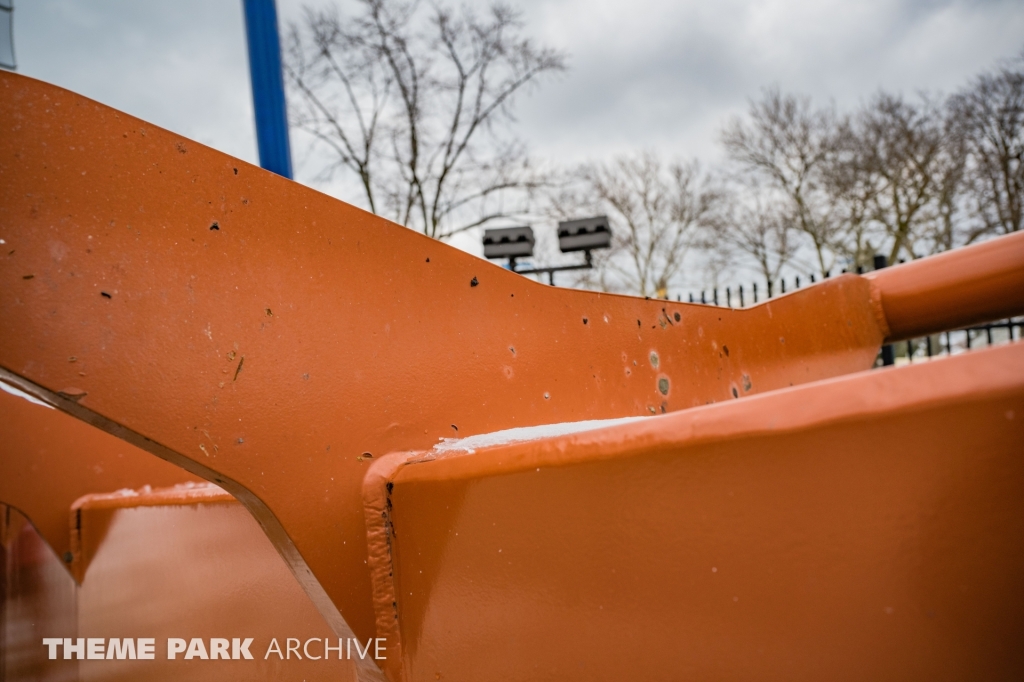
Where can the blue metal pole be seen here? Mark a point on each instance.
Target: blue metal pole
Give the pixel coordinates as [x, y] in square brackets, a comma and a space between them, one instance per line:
[268, 86]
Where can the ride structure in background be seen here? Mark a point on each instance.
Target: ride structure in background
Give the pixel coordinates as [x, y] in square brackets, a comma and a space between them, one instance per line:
[268, 98]
[499, 479]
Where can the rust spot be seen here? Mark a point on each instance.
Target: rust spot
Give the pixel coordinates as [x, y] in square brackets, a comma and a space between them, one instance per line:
[428, 260]
[455, 427]
[269, 313]
[726, 349]
[654, 359]
[367, 455]
[585, 320]
[236, 170]
[105, 294]
[735, 393]
[72, 359]
[663, 385]
[746, 383]
[473, 282]
[677, 316]
[239, 368]
[28, 276]
[215, 226]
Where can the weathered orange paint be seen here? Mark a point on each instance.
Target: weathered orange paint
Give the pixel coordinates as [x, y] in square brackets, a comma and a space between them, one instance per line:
[863, 527]
[49, 459]
[264, 336]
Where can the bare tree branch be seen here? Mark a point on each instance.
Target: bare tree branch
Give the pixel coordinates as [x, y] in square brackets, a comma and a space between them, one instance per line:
[416, 100]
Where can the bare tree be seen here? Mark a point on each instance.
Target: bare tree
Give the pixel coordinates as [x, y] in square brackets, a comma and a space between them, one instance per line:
[343, 88]
[657, 211]
[905, 148]
[415, 100]
[990, 114]
[852, 187]
[787, 145]
[758, 227]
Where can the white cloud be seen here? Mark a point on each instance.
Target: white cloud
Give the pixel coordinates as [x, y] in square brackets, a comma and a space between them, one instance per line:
[645, 73]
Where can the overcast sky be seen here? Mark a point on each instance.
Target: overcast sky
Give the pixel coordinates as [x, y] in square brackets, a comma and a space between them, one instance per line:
[660, 74]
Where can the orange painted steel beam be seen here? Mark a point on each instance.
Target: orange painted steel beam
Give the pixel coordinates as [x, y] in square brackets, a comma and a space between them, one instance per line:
[37, 600]
[264, 336]
[191, 562]
[49, 459]
[275, 341]
[863, 527]
[957, 288]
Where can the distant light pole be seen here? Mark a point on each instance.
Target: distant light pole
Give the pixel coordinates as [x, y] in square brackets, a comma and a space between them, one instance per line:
[585, 234]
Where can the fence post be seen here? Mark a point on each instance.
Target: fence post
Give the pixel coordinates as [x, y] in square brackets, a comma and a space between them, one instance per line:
[888, 355]
[742, 304]
[755, 292]
[728, 297]
[715, 294]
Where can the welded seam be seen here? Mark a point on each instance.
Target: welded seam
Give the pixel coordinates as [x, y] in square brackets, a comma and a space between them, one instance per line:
[877, 308]
[380, 533]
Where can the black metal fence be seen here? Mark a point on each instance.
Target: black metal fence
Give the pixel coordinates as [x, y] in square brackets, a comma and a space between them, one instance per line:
[946, 343]
[951, 342]
[741, 297]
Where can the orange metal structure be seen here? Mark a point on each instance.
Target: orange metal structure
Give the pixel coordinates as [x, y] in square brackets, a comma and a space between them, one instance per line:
[289, 347]
[186, 561]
